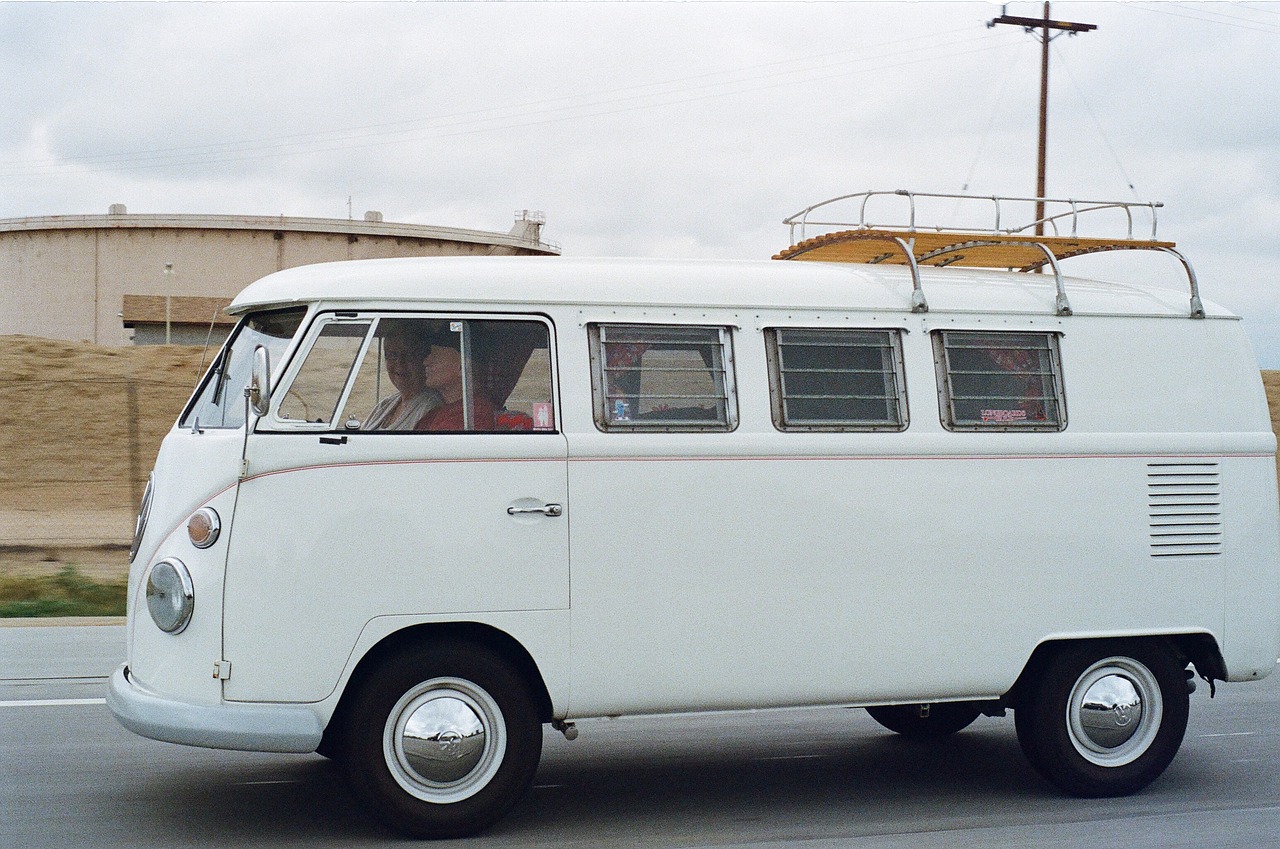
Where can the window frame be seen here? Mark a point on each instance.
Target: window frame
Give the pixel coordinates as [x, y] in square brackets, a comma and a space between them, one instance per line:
[946, 398]
[273, 423]
[778, 398]
[315, 333]
[600, 395]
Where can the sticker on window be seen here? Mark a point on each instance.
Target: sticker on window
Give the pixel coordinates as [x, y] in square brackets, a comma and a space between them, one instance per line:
[1004, 415]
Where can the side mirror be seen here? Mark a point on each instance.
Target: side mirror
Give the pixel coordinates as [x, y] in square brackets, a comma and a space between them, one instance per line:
[259, 389]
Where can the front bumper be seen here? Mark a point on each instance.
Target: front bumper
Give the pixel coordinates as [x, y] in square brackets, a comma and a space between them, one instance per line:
[246, 727]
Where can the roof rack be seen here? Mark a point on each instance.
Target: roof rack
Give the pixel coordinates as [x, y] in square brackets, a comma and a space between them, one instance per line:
[1017, 248]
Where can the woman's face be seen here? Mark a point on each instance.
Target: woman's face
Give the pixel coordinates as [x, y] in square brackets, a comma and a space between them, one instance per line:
[404, 366]
[444, 372]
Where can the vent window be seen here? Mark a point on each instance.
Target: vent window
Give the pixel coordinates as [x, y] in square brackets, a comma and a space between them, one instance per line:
[999, 381]
[838, 380]
[662, 377]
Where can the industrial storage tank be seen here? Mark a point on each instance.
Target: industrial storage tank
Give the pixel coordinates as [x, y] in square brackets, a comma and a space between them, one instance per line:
[120, 279]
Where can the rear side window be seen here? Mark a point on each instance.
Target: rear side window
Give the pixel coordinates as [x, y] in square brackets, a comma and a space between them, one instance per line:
[999, 380]
[662, 377]
[842, 380]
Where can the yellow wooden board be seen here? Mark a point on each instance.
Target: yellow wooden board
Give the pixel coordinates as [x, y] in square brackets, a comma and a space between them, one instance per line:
[975, 250]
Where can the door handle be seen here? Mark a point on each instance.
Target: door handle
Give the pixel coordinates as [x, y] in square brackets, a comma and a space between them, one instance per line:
[552, 510]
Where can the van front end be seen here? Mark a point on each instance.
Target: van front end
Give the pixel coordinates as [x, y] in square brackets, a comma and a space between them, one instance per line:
[171, 687]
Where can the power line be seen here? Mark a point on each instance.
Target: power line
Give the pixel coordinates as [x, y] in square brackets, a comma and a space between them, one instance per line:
[1014, 64]
[1096, 123]
[597, 104]
[1206, 14]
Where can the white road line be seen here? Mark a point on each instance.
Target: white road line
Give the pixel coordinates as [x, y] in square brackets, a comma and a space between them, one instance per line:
[52, 702]
[1232, 734]
[272, 781]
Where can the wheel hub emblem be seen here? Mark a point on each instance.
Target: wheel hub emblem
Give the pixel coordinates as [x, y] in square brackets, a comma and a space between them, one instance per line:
[449, 741]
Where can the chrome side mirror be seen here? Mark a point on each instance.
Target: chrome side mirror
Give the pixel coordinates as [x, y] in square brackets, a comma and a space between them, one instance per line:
[259, 388]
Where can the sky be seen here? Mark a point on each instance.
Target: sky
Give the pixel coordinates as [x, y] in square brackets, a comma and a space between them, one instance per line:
[685, 129]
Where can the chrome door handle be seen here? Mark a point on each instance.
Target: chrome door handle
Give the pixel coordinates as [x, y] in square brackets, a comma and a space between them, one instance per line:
[546, 510]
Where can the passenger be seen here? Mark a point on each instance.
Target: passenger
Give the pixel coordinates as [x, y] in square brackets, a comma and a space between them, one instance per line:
[405, 347]
[443, 367]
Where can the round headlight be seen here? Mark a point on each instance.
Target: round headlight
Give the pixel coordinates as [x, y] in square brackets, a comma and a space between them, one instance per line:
[143, 512]
[203, 527]
[171, 596]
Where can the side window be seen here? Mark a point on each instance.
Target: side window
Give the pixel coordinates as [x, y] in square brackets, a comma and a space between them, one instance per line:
[999, 380]
[454, 375]
[840, 380]
[314, 394]
[662, 377]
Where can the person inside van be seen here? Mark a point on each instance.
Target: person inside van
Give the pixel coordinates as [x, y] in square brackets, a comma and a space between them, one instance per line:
[404, 346]
[443, 373]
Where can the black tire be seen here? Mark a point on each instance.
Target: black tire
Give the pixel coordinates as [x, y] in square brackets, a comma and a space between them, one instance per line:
[1130, 734]
[472, 745]
[940, 720]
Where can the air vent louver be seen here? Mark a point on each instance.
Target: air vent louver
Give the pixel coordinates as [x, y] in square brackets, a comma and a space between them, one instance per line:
[1185, 504]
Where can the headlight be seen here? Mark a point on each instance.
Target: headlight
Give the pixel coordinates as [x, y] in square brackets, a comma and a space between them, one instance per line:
[203, 527]
[143, 512]
[171, 597]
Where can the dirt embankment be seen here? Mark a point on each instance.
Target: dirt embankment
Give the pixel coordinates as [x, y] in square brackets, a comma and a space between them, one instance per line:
[80, 425]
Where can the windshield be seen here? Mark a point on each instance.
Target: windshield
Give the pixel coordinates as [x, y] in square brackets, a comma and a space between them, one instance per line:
[220, 401]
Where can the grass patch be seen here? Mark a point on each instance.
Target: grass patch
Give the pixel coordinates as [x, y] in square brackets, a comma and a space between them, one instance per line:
[67, 593]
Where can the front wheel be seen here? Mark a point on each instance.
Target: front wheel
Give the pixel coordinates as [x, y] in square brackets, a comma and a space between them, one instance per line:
[442, 740]
[1104, 719]
[924, 722]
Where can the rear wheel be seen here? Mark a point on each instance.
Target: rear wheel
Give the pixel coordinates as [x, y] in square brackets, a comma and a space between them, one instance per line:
[1104, 719]
[926, 721]
[442, 741]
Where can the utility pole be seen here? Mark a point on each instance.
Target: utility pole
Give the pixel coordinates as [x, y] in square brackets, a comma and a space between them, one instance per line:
[1043, 25]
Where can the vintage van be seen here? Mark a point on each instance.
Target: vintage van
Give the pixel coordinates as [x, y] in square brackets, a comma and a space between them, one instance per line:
[417, 509]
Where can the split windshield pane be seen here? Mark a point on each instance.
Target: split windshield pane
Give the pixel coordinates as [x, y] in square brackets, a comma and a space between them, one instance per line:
[220, 403]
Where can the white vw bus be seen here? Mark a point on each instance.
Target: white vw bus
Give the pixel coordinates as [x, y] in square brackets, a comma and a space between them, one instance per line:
[419, 508]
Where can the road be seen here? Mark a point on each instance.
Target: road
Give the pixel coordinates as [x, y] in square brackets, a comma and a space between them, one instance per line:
[820, 779]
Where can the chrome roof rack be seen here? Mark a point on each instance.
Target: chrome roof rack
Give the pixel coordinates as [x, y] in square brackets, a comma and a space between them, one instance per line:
[990, 244]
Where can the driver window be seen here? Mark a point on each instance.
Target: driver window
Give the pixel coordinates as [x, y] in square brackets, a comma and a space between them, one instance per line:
[314, 395]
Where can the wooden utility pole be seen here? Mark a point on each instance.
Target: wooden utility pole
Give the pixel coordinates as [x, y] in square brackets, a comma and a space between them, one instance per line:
[1043, 25]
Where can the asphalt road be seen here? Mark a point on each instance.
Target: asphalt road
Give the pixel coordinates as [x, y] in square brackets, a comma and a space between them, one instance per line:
[71, 777]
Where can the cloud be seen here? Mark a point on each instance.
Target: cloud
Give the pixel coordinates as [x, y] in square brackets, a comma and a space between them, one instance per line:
[684, 129]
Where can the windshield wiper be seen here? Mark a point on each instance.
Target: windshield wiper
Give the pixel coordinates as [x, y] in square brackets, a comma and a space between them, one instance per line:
[219, 376]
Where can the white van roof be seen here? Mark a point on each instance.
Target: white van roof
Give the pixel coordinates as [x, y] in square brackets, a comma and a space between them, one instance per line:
[535, 282]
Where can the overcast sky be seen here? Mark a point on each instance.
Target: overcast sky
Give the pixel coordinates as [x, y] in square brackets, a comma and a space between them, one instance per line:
[652, 129]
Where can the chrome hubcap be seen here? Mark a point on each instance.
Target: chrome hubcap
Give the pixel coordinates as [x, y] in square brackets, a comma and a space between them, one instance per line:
[1114, 711]
[444, 740]
[1111, 711]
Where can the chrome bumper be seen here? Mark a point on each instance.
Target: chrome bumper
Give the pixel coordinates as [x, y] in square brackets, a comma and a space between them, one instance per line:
[246, 727]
